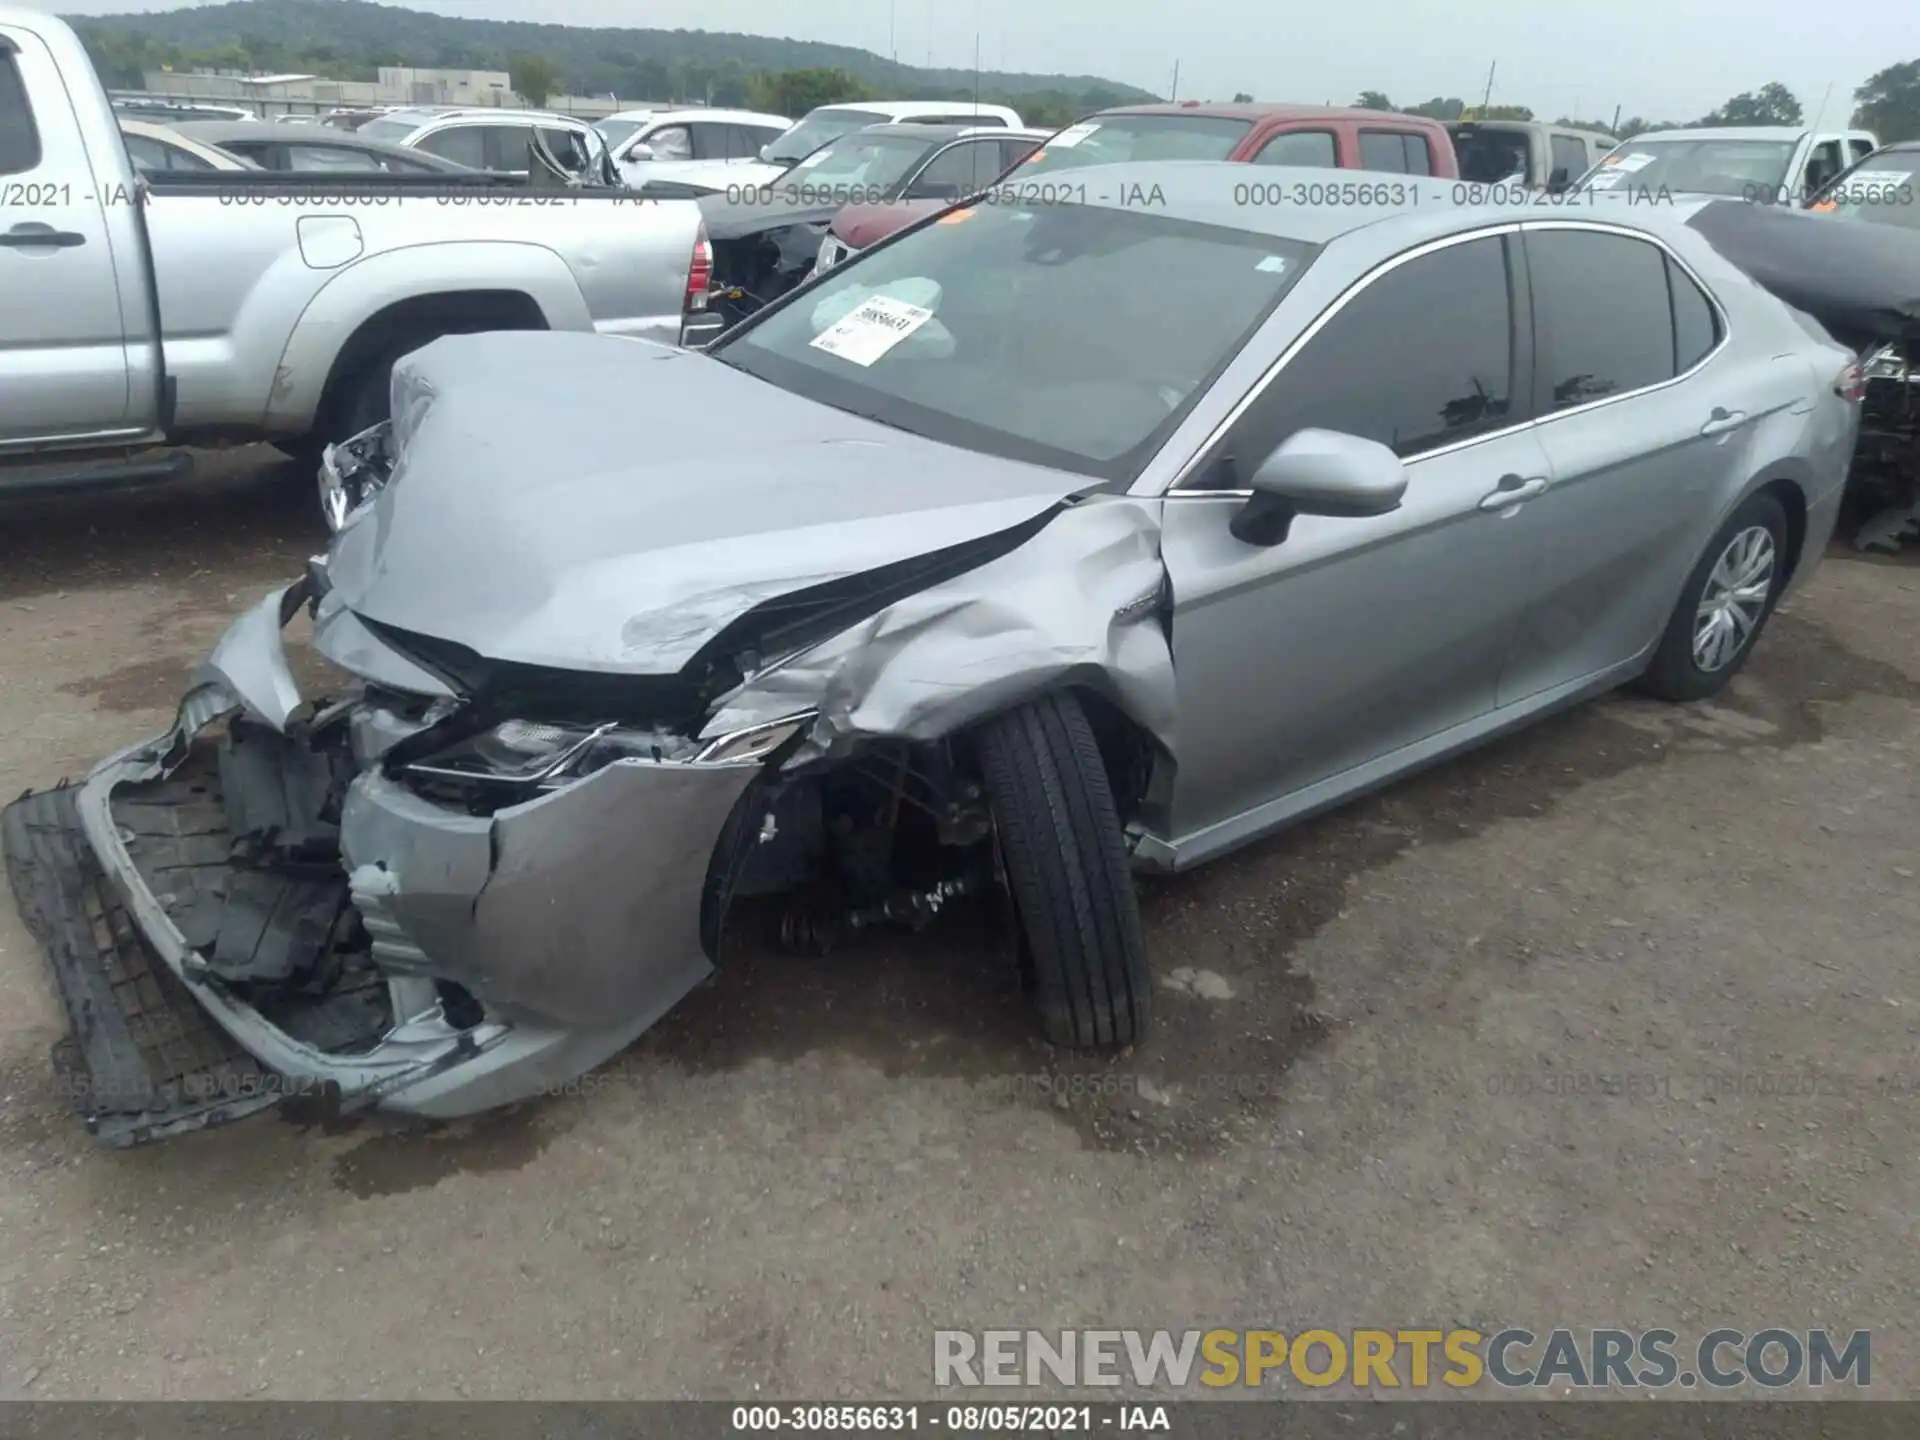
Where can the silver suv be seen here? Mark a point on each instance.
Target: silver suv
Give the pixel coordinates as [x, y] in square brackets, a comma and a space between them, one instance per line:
[491, 138]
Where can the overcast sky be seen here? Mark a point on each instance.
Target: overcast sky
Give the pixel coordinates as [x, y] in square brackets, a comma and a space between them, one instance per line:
[1664, 59]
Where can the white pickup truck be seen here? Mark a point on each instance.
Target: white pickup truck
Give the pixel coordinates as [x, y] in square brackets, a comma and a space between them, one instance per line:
[141, 315]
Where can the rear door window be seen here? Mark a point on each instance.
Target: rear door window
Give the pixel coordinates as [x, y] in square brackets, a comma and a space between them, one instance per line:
[1421, 357]
[1395, 151]
[19, 140]
[1860, 149]
[1603, 316]
[1313, 148]
[462, 144]
[711, 140]
[958, 170]
[329, 157]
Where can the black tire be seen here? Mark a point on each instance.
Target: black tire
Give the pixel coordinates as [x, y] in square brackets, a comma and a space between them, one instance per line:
[1676, 673]
[364, 400]
[1066, 862]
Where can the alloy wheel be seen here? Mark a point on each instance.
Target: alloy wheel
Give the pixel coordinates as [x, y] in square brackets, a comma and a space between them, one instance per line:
[1734, 599]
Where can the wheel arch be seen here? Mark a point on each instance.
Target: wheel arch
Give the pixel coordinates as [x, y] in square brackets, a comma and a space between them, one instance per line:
[481, 281]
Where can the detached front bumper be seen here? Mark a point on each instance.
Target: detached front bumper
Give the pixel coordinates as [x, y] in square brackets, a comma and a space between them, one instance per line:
[573, 919]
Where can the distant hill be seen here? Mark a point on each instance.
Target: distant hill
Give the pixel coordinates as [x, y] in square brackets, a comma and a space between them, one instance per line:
[349, 38]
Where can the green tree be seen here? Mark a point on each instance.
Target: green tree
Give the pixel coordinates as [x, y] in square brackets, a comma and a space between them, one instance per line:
[1497, 112]
[1439, 109]
[795, 92]
[1890, 103]
[1373, 100]
[1771, 104]
[533, 78]
[1240, 97]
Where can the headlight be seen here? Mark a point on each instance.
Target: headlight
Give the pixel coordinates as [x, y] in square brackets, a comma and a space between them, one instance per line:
[526, 752]
[515, 752]
[755, 742]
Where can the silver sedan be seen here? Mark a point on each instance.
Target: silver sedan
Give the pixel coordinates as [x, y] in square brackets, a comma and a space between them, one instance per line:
[1100, 528]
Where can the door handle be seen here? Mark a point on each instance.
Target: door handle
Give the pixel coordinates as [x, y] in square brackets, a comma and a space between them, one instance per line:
[1514, 491]
[1721, 421]
[31, 233]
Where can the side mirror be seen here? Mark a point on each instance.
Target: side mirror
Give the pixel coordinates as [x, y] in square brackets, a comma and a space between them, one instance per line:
[1319, 472]
[766, 154]
[641, 151]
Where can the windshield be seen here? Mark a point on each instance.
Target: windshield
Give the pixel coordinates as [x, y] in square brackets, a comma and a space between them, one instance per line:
[1073, 336]
[614, 131]
[817, 129]
[1754, 170]
[1882, 190]
[872, 164]
[1109, 139]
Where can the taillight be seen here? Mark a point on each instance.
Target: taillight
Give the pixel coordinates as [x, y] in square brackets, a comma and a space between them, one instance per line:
[1852, 384]
[699, 270]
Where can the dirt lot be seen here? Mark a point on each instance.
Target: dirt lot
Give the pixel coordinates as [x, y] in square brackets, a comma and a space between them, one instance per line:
[1373, 1097]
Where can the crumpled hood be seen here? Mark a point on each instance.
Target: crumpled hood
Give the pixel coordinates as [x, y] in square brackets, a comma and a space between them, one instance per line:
[596, 503]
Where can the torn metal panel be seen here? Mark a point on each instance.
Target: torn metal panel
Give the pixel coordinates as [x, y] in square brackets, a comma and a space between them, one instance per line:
[250, 662]
[339, 635]
[1080, 602]
[577, 906]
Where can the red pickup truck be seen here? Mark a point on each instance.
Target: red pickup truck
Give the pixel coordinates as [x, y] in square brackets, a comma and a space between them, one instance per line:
[1320, 136]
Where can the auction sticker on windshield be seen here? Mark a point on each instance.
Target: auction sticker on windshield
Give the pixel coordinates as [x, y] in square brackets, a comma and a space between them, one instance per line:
[879, 324]
[1630, 163]
[1070, 137]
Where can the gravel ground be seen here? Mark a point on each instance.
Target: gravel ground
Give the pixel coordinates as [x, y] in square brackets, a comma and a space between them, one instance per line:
[1375, 1095]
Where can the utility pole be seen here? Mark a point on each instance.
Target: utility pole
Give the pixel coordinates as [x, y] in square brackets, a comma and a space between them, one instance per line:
[1615, 127]
[893, 49]
[1487, 99]
[1174, 94]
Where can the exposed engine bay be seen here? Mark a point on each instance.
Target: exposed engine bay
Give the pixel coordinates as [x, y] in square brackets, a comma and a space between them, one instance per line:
[1883, 500]
[1861, 281]
[754, 270]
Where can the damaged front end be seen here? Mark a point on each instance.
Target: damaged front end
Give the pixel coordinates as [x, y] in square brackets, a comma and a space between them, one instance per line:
[561, 742]
[375, 898]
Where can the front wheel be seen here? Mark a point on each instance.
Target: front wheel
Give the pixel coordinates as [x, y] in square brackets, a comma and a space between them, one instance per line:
[1725, 605]
[1066, 863]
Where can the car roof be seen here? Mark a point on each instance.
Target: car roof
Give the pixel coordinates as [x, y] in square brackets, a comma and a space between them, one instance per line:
[919, 107]
[1258, 111]
[223, 132]
[922, 130]
[1214, 192]
[485, 114]
[687, 113]
[176, 135]
[1723, 132]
